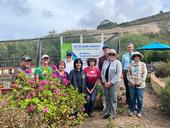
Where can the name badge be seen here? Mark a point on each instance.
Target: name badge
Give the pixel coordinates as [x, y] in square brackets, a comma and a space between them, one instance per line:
[92, 72]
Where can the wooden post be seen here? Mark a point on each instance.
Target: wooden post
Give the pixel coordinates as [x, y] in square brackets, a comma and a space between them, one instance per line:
[61, 39]
[118, 43]
[81, 38]
[38, 53]
[102, 38]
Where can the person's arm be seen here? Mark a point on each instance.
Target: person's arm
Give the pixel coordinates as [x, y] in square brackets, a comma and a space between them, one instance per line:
[129, 76]
[70, 77]
[144, 73]
[123, 61]
[117, 76]
[103, 73]
[97, 81]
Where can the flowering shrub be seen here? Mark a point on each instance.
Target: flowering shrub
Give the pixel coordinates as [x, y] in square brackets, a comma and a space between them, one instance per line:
[59, 104]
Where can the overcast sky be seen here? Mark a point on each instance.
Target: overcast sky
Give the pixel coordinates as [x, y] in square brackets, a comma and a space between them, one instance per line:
[35, 18]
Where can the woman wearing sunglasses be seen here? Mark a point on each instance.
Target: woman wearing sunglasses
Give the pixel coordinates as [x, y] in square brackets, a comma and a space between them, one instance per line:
[111, 76]
[136, 76]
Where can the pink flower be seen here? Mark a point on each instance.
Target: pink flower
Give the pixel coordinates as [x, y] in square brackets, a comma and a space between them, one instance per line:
[65, 81]
[28, 71]
[83, 109]
[31, 108]
[64, 94]
[29, 96]
[34, 93]
[54, 75]
[31, 81]
[43, 82]
[53, 67]
[56, 83]
[45, 110]
[3, 103]
[41, 88]
[56, 91]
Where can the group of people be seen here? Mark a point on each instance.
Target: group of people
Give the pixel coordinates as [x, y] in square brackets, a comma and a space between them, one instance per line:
[108, 72]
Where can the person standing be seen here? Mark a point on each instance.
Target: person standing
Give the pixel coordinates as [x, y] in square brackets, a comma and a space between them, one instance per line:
[61, 73]
[69, 62]
[25, 68]
[111, 76]
[106, 48]
[136, 75]
[77, 76]
[43, 71]
[92, 79]
[126, 60]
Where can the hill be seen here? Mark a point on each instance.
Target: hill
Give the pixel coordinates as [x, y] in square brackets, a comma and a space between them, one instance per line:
[152, 24]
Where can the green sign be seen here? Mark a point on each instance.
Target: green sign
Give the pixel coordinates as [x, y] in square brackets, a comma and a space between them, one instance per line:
[65, 47]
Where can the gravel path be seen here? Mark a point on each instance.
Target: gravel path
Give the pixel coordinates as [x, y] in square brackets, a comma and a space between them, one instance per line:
[153, 117]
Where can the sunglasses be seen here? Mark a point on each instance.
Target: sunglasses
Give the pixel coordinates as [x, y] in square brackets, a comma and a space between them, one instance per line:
[111, 54]
[136, 55]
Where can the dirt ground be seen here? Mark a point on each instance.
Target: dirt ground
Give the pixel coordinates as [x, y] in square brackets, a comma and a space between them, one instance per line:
[153, 117]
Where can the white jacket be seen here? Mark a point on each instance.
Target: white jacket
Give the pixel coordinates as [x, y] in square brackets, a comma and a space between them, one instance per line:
[115, 71]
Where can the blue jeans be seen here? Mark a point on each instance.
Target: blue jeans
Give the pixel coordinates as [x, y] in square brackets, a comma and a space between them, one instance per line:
[111, 95]
[90, 99]
[136, 94]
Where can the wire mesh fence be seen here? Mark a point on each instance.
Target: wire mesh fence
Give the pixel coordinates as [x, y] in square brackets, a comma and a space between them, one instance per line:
[12, 50]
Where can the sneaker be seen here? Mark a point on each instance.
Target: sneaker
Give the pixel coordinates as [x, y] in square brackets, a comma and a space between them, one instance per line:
[139, 115]
[130, 113]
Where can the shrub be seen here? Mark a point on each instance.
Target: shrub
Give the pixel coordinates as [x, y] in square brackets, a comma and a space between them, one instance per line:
[162, 69]
[165, 99]
[17, 118]
[59, 104]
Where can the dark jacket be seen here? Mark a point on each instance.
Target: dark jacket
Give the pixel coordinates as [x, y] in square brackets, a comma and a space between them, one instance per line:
[72, 78]
[101, 61]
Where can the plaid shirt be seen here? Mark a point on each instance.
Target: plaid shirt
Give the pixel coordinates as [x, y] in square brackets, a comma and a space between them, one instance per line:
[137, 73]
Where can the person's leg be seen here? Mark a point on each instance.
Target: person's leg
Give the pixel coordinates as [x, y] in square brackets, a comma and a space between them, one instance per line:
[93, 96]
[106, 93]
[87, 103]
[132, 99]
[103, 100]
[113, 91]
[140, 94]
[126, 86]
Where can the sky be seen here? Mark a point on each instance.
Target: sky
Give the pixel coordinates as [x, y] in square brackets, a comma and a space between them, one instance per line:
[21, 19]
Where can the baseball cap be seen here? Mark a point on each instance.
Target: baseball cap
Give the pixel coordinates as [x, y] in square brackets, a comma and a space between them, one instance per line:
[26, 58]
[44, 56]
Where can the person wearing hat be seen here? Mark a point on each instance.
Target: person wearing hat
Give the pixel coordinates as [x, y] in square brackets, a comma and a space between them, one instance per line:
[69, 62]
[25, 64]
[92, 79]
[106, 48]
[126, 60]
[43, 71]
[24, 67]
[136, 75]
[111, 77]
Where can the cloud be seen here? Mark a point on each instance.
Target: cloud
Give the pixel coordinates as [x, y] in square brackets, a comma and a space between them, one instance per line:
[18, 7]
[35, 18]
[47, 14]
[120, 11]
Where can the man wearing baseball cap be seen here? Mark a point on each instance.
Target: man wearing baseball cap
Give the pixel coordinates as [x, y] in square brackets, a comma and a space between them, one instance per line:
[24, 67]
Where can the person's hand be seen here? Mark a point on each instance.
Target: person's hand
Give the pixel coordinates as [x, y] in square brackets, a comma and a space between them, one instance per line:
[137, 84]
[132, 83]
[108, 84]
